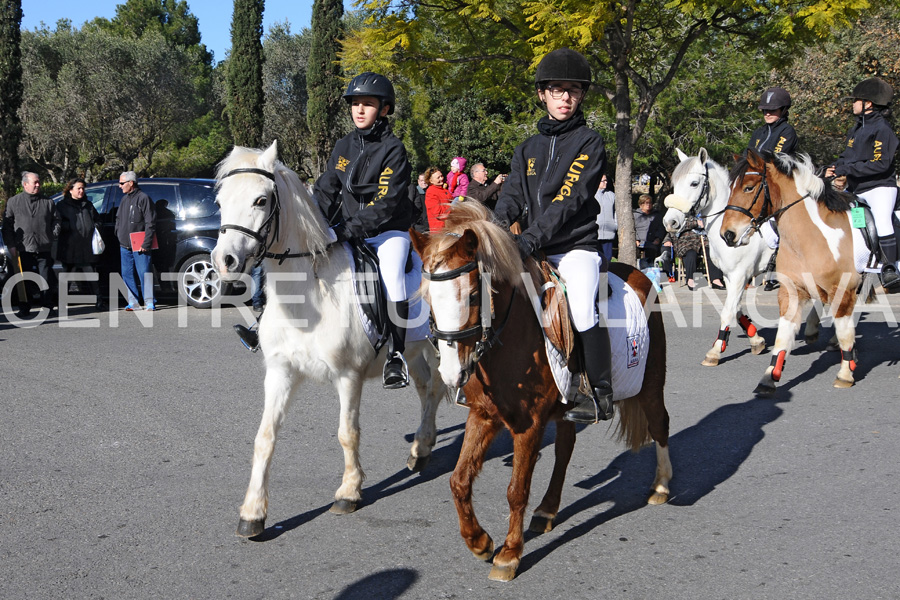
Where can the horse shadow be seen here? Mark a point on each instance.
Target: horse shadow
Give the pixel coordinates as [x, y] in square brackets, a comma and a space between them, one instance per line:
[389, 584]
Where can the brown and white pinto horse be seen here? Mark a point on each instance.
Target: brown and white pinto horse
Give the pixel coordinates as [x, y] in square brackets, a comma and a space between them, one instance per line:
[491, 343]
[815, 257]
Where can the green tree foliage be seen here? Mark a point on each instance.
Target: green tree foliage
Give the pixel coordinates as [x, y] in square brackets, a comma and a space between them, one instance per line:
[10, 97]
[635, 48]
[284, 84]
[244, 73]
[90, 121]
[324, 84]
[170, 18]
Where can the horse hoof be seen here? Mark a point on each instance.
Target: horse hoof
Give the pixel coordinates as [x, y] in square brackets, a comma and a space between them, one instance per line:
[250, 529]
[843, 383]
[417, 464]
[657, 498]
[540, 524]
[710, 361]
[758, 348]
[503, 573]
[764, 390]
[487, 553]
[343, 507]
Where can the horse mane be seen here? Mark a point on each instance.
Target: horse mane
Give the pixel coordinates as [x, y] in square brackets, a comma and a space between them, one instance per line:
[497, 252]
[803, 173]
[302, 216]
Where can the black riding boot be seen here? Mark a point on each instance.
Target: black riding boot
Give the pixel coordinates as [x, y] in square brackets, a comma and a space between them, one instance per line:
[598, 367]
[771, 279]
[249, 337]
[396, 374]
[890, 280]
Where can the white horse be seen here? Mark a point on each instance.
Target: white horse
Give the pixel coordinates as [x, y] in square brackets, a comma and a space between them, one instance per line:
[310, 327]
[701, 189]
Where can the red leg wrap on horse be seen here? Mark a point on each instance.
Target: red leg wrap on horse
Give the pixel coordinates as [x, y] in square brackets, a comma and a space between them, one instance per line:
[850, 356]
[778, 363]
[747, 325]
[723, 337]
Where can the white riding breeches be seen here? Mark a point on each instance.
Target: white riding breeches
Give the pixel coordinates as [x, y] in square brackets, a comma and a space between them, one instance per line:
[392, 248]
[881, 200]
[580, 269]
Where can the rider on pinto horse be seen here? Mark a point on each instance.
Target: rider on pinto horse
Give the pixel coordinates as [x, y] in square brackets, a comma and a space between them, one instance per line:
[550, 190]
[868, 163]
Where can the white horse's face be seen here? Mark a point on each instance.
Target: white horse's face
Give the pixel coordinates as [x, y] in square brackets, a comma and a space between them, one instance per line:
[690, 182]
[451, 311]
[246, 201]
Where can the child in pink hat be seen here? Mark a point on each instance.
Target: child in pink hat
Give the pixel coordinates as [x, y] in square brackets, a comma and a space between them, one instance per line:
[457, 180]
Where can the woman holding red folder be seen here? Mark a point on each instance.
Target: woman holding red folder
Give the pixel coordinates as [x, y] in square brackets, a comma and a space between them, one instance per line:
[136, 214]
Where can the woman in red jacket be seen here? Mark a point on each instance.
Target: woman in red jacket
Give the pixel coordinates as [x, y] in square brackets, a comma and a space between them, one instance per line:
[437, 199]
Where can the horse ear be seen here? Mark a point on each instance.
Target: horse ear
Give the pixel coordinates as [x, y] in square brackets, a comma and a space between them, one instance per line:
[469, 242]
[755, 160]
[681, 155]
[704, 156]
[267, 159]
[419, 241]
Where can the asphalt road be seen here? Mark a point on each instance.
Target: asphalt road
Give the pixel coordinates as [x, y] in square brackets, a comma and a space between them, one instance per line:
[125, 452]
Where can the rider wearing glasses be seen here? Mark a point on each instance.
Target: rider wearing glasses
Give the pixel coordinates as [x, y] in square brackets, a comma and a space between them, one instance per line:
[550, 190]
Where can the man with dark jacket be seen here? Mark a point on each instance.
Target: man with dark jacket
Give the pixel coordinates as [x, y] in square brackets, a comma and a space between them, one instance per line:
[30, 225]
[136, 214]
[481, 190]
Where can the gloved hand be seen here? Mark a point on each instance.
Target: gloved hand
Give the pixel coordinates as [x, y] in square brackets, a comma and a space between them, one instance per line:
[526, 248]
[340, 233]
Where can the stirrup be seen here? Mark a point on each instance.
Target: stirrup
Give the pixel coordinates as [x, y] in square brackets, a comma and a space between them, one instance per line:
[395, 380]
[460, 398]
[249, 338]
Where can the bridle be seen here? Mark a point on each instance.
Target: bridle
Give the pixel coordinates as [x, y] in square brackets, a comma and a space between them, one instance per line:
[484, 326]
[757, 221]
[270, 230]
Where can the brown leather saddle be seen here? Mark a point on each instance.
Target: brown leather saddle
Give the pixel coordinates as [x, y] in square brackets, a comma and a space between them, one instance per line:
[555, 317]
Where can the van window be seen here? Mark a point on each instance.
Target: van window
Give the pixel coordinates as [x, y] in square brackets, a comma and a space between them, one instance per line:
[197, 201]
[95, 196]
[156, 191]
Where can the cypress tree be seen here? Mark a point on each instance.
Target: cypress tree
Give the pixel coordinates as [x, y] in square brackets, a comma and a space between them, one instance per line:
[323, 79]
[10, 97]
[244, 73]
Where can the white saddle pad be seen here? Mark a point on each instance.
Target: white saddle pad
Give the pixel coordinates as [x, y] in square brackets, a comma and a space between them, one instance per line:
[629, 339]
[418, 308]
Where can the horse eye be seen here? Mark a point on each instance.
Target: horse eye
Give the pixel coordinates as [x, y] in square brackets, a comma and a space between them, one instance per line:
[261, 201]
[748, 188]
[695, 183]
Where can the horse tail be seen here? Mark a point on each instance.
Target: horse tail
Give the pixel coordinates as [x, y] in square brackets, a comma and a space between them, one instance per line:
[635, 429]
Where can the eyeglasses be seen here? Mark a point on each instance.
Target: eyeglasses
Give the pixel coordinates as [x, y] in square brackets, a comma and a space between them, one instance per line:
[556, 92]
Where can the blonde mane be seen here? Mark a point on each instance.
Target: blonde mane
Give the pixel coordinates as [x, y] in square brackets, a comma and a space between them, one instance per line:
[497, 252]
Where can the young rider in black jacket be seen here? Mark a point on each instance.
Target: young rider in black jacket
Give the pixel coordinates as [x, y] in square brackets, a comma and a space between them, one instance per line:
[868, 163]
[777, 135]
[364, 195]
[550, 190]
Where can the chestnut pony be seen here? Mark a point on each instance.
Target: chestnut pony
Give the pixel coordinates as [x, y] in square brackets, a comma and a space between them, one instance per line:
[816, 254]
[491, 342]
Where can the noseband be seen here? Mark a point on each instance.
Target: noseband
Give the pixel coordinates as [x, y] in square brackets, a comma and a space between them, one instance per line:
[484, 327]
[261, 235]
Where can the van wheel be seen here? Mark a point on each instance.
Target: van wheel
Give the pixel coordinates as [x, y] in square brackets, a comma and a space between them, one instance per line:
[198, 282]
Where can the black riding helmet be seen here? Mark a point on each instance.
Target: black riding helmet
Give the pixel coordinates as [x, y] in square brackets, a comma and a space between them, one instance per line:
[874, 90]
[371, 84]
[774, 98]
[563, 65]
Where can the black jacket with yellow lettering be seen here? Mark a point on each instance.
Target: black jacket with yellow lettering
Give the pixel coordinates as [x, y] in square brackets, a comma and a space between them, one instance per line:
[868, 158]
[364, 190]
[777, 137]
[551, 185]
